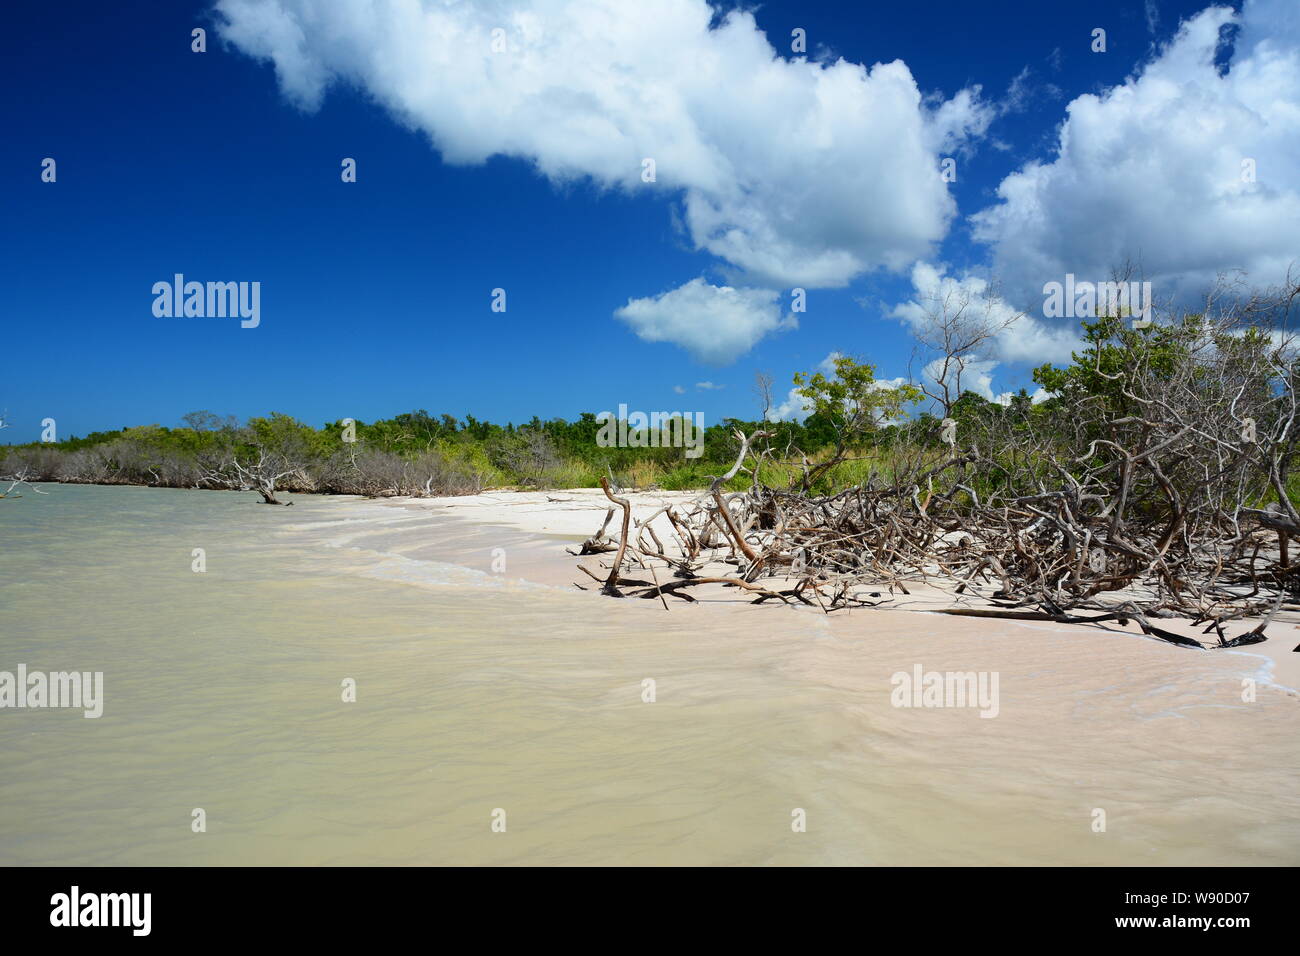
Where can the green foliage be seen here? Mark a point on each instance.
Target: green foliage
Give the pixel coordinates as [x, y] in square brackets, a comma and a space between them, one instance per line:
[852, 403]
[1112, 348]
[859, 429]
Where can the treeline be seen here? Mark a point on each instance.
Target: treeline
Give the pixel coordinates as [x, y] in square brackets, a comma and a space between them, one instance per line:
[1219, 392]
[416, 453]
[1158, 480]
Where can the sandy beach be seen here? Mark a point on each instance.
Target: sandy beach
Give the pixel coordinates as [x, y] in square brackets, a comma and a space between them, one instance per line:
[548, 521]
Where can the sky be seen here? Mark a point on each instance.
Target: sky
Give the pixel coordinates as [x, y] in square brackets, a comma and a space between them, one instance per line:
[503, 146]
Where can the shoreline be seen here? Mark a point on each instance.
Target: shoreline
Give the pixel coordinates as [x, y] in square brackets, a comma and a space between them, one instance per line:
[537, 524]
[573, 515]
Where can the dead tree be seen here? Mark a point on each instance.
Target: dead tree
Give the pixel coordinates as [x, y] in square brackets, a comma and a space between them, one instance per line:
[955, 331]
[264, 474]
[1159, 485]
[20, 478]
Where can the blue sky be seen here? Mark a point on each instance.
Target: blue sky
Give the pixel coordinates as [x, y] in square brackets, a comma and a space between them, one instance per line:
[376, 295]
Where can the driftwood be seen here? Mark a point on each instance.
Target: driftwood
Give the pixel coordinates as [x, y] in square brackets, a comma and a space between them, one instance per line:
[1157, 484]
[1042, 556]
[611, 585]
[16, 482]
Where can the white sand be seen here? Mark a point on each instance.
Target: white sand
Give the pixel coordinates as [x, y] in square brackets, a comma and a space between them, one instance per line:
[1163, 738]
[577, 512]
[548, 522]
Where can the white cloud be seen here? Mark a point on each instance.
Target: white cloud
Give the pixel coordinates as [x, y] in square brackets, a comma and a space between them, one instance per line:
[709, 387]
[976, 375]
[794, 171]
[1151, 170]
[715, 324]
[1023, 338]
[1152, 13]
[793, 409]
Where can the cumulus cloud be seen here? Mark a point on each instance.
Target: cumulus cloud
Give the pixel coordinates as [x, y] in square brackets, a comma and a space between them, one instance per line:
[794, 171]
[976, 376]
[795, 407]
[1016, 336]
[1151, 171]
[1020, 338]
[715, 324]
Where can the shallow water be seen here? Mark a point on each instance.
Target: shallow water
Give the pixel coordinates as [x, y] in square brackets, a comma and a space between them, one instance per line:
[478, 692]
